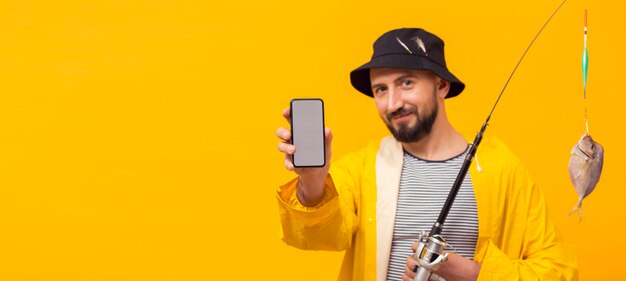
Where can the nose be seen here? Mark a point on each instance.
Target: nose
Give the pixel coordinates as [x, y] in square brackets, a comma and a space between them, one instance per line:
[394, 100]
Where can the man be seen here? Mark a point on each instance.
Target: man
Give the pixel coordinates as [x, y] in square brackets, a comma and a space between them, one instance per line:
[373, 203]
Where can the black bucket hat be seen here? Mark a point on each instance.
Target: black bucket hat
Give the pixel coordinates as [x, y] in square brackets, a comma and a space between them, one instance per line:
[408, 48]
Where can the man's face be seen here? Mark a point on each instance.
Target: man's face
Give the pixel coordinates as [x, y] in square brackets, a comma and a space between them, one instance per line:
[407, 100]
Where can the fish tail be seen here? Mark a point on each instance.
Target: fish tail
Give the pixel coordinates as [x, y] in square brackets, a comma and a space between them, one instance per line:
[578, 207]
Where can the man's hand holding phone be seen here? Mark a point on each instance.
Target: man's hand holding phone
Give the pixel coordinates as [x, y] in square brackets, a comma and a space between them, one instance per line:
[311, 180]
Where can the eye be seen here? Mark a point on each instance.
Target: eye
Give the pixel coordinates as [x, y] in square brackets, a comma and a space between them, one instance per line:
[380, 90]
[407, 83]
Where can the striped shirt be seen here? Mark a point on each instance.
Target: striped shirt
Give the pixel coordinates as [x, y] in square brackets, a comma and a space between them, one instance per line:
[424, 187]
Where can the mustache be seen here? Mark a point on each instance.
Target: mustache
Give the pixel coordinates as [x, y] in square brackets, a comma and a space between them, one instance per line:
[402, 111]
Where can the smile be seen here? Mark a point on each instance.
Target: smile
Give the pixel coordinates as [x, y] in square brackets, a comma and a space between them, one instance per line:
[402, 118]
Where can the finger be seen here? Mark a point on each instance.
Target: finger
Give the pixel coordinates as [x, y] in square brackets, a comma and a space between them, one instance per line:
[411, 267]
[408, 276]
[283, 134]
[287, 113]
[328, 134]
[286, 148]
[288, 164]
[328, 139]
[414, 246]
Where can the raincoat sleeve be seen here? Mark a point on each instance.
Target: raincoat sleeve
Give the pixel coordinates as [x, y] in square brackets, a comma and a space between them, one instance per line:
[329, 225]
[527, 245]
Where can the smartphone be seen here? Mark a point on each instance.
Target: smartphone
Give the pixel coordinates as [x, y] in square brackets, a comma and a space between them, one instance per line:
[307, 133]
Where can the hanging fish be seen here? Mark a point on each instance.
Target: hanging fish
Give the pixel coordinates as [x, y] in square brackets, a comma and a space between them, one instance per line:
[585, 167]
[587, 157]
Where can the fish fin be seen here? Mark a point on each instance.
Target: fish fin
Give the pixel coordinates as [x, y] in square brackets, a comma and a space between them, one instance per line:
[578, 207]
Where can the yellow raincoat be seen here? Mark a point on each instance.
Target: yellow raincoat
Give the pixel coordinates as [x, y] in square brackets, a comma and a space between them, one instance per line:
[516, 238]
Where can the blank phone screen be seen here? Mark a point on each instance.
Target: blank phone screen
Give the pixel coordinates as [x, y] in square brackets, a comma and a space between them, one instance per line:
[307, 132]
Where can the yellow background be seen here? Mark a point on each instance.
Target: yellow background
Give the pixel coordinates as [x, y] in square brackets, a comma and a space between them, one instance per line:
[137, 137]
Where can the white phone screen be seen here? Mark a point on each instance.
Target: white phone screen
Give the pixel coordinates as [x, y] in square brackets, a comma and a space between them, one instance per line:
[307, 132]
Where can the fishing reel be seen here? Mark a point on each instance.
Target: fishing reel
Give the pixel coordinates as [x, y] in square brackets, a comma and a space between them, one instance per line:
[429, 256]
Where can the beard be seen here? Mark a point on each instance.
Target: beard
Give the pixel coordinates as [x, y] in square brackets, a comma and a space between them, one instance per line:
[422, 127]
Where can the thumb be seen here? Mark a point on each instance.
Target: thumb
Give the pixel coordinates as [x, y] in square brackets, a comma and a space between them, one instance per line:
[328, 135]
[328, 138]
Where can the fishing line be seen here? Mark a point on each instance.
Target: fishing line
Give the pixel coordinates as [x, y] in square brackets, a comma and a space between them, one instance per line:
[585, 68]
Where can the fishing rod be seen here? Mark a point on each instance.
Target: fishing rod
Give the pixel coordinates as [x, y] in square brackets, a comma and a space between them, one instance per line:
[429, 253]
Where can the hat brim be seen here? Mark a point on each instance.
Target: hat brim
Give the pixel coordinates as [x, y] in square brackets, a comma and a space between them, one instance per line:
[360, 77]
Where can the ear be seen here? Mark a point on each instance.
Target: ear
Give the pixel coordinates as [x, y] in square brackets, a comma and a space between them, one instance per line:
[443, 87]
